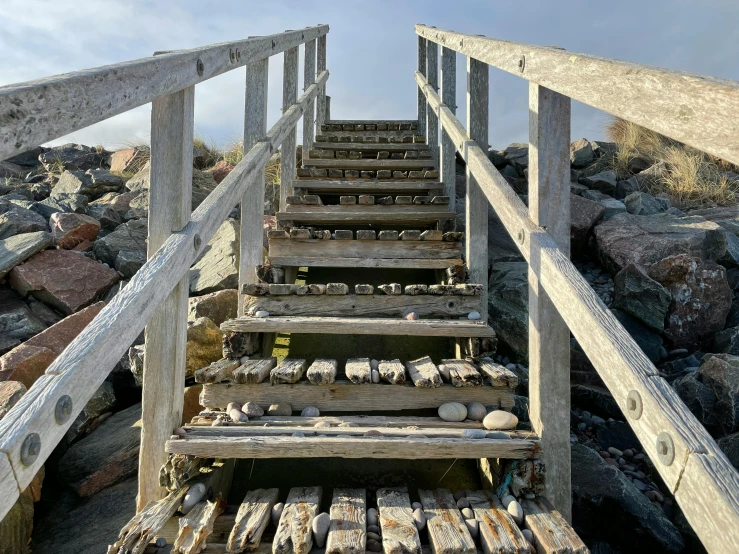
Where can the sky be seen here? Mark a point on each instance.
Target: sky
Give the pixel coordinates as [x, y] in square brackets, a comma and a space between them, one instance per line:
[371, 52]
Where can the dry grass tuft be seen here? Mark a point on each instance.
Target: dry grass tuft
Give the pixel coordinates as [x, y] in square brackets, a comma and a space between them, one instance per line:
[210, 153]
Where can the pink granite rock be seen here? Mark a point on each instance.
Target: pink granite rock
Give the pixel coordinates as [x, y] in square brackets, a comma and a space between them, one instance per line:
[70, 229]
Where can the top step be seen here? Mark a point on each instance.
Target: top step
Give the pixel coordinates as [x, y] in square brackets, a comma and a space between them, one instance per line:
[358, 125]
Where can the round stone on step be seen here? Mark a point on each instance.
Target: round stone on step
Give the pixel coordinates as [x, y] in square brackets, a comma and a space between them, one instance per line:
[243, 359]
[373, 529]
[320, 527]
[528, 535]
[474, 316]
[374, 364]
[194, 495]
[452, 411]
[473, 434]
[476, 411]
[232, 406]
[374, 546]
[237, 416]
[373, 433]
[411, 316]
[417, 506]
[298, 434]
[280, 409]
[277, 513]
[516, 511]
[371, 535]
[261, 313]
[472, 527]
[463, 503]
[419, 518]
[372, 517]
[160, 542]
[507, 499]
[375, 376]
[468, 513]
[252, 409]
[500, 420]
[310, 411]
[444, 371]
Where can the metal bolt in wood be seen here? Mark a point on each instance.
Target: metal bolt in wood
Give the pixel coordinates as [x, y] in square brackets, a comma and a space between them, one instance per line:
[30, 449]
[63, 409]
[665, 448]
[200, 67]
[634, 405]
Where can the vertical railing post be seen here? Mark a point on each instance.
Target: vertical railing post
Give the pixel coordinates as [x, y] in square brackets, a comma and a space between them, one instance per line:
[549, 337]
[289, 145]
[309, 77]
[252, 203]
[432, 119]
[421, 95]
[166, 334]
[449, 99]
[321, 99]
[476, 204]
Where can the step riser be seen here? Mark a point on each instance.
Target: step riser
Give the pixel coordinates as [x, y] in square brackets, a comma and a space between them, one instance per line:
[367, 186]
[446, 253]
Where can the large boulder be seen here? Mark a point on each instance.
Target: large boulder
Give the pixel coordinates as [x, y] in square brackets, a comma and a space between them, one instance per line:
[17, 220]
[720, 373]
[508, 306]
[127, 237]
[698, 397]
[69, 230]
[16, 249]
[203, 183]
[641, 297]
[66, 280]
[93, 183]
[218, 265]
[100, 403]
[648, 340]
[645, 240]
[121, 203]
[605, 181]
[107, 217]
[62, 202]
[218, 306]
[517, 155]
[10, 393]
[129, 160]
[584, 214]
[204, 344]
[730, 445]
[611, 206]
[601, 493]
[726, 216]
[652, 175]
[72, 156]
[641, 203]
[701, 298]
[17, 321]
[581, 153]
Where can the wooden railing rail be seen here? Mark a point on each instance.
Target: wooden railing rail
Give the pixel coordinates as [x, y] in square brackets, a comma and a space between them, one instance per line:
[156, 297]
[690, 462]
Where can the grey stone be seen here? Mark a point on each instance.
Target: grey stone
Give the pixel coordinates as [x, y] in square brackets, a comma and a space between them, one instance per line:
[641, 297]
[730, 445]
[596, 399]
[611, 206]
[581, 153]
[92, 184]
[624, 188]
[17, 321]
[649, 341]
[217, 268]
[127, 237]
[508, 305]
[72, 156]
[641, 203]
[109, 218]
[518, 155]
[726, 216]
[698, 398]
[18, 220]
[63, 202]
[584, 214]
[129, 262]
[605, 181]
[651, 175]
[720, 373]
[727, 341]
[218, 306]
[102, 401]
[14, 250]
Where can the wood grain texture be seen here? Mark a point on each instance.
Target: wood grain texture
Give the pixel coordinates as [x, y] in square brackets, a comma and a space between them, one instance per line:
[499, 534]
[246, 430]
[289, 144]
[357, 420]
[289, 370]
[347, 533]
[463, 373]
[432, 117]
[392, 371]
[447, 163]
[9, 491]
[344, 396]
[358, 214]
[56, 106]
[373, 147]
[421, 97]
[294, 535]
[371, 250]
[322, 371]
[197, 525]
[372, 165]
[222, 370]
[498, 375]
[448, 533]
[358, 371]
[694, 109]
[360, 326]
[170, 204]
[424, 373]
[251, 520]
[368, 186]
[321, 115]
[254, 371]
[401, 263]
[309, 76]
[399, 533]
[552, 532]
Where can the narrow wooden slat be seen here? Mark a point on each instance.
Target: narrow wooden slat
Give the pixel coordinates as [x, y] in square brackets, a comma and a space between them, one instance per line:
[358, 371]
[322, 371]
[347, 533]
[448, 533]
[395, 249]
[553, 535]
[222, 370]
[356, 214]
[421, 96]
[254, 371]
[499, 534]
[463, 373]
[372, 147]
[294, 535]
[370, 165]
[399, 533]
[251, 520]
[321, 66]
[358, 420]
[424, 373]
[245, 431]
[289, 145]
[287, 371]
[309, 77]
[362, 186]
[402, 263]
[448, 161]
[392, 371]
[498, 375]
[197, 525]
[432, 118]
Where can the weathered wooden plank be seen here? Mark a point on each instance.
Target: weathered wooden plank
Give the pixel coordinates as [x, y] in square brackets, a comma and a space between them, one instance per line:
[358, 421]
[170, 204]
[399, 533]
[448, 533]
[253, 430]
[401, 263]
[421, 96]
[551, 531]
[289, 144]
[358, 371]
[322, 371]
[463, 373]
[197, 525]
[499, 534]
[406, 215]
[694, 109]
[392, 371]
[222, 370]
[424, 373]
[549, 337]
[368, 186]
[289, 370]
[448, 156]
[309, 77]
[254, 371]
[432, 118]
[360, 326]
[294, 535]
[321, 111]
[347, 533]
[373, 147]
[251, 520]
[344, 396]
[498, 375]
[397, 249]
[369, 164]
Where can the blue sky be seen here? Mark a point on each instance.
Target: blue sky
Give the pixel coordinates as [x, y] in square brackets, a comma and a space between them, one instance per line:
[371, 49]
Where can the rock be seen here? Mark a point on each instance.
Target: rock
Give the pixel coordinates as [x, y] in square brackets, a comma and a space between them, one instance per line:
[29, 158]
[726, 216]
[603, 493]
[624, 188]
[17, 322]
[649, 341]
[70, 229]
[136, 361]
[720, 373]
[129, 160]
[472, 527]
[467, 513]
[375, 376]
[516, 512]
[701, 298]
[610, 205]
[320, 527]
[107, 217]
[581, 153]
[221, 170]
[310, 411]
[10, 393]
[218, 306]
[16, 527]
[374, 546]
[204, 344]
[72, 156]
[584, 214]
[280, 409]
[120, 203]
[473, 316]
[596, 399]
[261, 313]
[18, 220]
[101, 402]
[520, 407]
[518, 155]
[476, 411]
[419, 518]
[641, 203]
[203, 183]
[616, 434]
[63, 279]
[473, 434]
[727, 341]
[651, 175]
[194, 495]
[730, 445]
[605, 181]
[217, 268]
[508, 306]
[500, 420]
[277, 513]
[28, 361]
[645, 240]
[106, 456]
[641, 297]
[253, 409]
[72, 203]
[16, 249]
[92, 184]
[128, 237]
[452, 411]
[698, 397]
[128, 262]
[372, 518]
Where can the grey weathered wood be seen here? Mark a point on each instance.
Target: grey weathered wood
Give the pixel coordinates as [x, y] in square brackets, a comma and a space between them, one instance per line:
[694, 109]
[448, 533]
[397, 214]
[392, 371]
[421, 96]
[463, 373]
[251, 520]
[449, 97]
[170, 204]
[498, 375]
[365, 421]
[475, 206]
[344, 396]
[424, 373]
[252, 203]
[407, 249]
[321, 66]
[322, 371]
[403, 263]
[432, 118]
[289, 145]
[368, 186]
[289, 370]
[197, 525]
[549, 337]
[358, 371]
[251, 429]
[309, 77]
[59, 105]
[399, 533]
[551, 531]
[222, 370]
[294, 535]
[347, 533]
[499, 534]
[368, 164]
[254, 371]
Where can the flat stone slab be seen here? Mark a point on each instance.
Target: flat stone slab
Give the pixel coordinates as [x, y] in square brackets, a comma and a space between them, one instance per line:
[19, 248]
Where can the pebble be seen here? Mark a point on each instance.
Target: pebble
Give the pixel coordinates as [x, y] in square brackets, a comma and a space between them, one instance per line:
[529, 496]
[320, 527]
[476, 411]
[468, 513]
[280, 409]
[654, 496]
[277, 513]
[628, 453]
[473, 434]
[453, 411]
[374, 546]
[496, 435]
[586, 414]
[516, 511]
[233, 406]
[640, 456]
[347, 424]
[597, 420]
[612, 462]
[261, 313]
[444, 371]
[310, 411]
[243, 359]
[604, 454]
[252, 409]
[373, 536]
[237, 416]
[298, 434]
[457, 496]
[194, 495]
[161, 542]
[218, 422]
[374, 364]
[472, 527]
[501, 420]
[373, 433]
[474, 316]
[528, 535]
[373, 529]
[507, 499]
[411, 316]
[375, 376]
[417, 506]
[180, 431]
[419, 518]
[322, 425]
[615, 452]
[372, 517]
[582, 426]
[463, 503]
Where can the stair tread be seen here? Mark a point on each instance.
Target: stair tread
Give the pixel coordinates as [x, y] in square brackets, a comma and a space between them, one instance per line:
[387, 186]
[368, 163]
[358, 213]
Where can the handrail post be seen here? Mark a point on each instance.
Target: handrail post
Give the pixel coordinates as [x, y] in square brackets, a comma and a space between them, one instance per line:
[432, 119]
[421, 95]
[449, 98]
[252, 203]
[321, 100]
[549, 337]
[476, 204]
[289, 145]
[309, 77]
[170, 201]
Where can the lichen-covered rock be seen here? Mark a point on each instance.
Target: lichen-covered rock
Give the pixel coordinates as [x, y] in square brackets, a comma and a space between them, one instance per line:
[73, 157]
[204, 343]
[218, 266]
[641, 203]
[641, 297]
[698, 397]
[92, 184]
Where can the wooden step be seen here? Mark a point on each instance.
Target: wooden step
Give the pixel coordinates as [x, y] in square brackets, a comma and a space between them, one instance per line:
[369, 186]
[374, 147]
[368, 164]
[412, 123]
[359, 326]
[380, 137]
[365, 214]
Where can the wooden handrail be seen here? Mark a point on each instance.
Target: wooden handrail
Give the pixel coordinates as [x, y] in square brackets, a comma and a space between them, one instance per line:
[697, 472]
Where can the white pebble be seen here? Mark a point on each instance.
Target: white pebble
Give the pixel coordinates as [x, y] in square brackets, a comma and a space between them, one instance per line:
[372, 517]
[472, 527]
[322, 424]
[468, 513]
[473, 434]
[233, 406]
[243, 359]
[310, 411]
[320, 528]
[194, 495]
[473, 316]
[516, 511]
[261, 313]
[299, 434]
[237, 416]
[444, 371]
[507, 499]
[500, 420]
[252, 409]
[419, 518]
[277, 513]
[375, 376]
